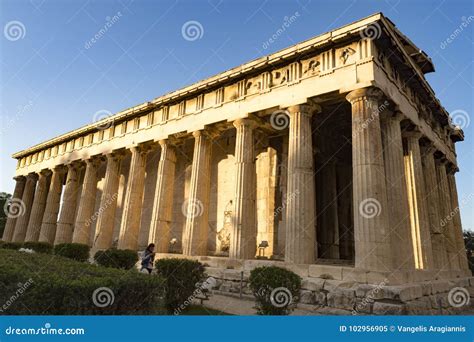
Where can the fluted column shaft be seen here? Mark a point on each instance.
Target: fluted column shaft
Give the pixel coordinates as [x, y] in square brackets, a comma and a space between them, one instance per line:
[371, 225]
[82, 226]
[397, 197]
[130, 224]
[27, 199]
[243, 242]
[160, 229]
[14, 211]
[39, 205]
[300, 246]
[457, 225]
[421, 237]
[197, 213]
[68, 209]
[440, 258]
[108, 204]
[446, 220]
[50, 217]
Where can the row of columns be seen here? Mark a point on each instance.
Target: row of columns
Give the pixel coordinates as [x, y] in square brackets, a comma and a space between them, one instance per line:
[409, 189]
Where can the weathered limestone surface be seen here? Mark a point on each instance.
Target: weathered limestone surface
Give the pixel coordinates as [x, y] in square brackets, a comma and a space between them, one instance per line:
[397, 197]
[50, 217]
[68, 209]
[160, 229]
[27, 199]
[371, 225]
[300, 245]
[85, 211]
[39, 204]
[108, 203]
[195, 234]
[130, 225]
[244, 233]
[12, 217]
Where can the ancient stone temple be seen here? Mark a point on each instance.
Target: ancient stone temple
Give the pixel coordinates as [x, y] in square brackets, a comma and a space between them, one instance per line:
[332, 157]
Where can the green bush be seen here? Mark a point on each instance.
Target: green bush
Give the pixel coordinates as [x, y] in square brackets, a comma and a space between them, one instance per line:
[180, 277]
[11, 245]
[276, 290]
[39, 247]
[35, 284]
[124, 259]
[74, 251]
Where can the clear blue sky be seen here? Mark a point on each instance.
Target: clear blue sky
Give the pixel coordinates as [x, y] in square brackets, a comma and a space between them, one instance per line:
[50, 83]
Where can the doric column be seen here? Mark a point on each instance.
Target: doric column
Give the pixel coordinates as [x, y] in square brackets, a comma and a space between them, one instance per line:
[457, 231]
[160, 229]
[420, 229]
[15, 208]
[50, 217]
[446, 219]
[132, 207]
[39, 205]
[82, 226]
[371, 225]
[197, 212]
[68, 208]
[243, 243]
[300, 244]
[108, 204]
[397, 197]
[440, 258]
[27, 199]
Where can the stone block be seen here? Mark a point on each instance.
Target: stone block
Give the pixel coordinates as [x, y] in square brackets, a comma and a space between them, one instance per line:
[439, 286]
[306, 297]
[333, 285]
[426, 288]
[420, 306]
[381, 308]
[402, 292]
[312, 284]
[332, 272]
[369, 291]
[320, 298]
[363, 306]
[354, 274]
[341, 299]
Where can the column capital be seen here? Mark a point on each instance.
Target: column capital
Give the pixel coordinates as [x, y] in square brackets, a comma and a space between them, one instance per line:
[32, 176]
[114, 156]
[45, 173]
[19, 178]
[246, 122]
[93, 161]
[428, 148]
[368, 92]
[414, 134]
[61, 169]
[308, 108]
[142, 149]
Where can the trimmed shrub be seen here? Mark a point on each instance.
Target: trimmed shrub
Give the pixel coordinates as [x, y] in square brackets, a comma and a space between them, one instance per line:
[74, 251]
[276, 290]
[37, 285]
[124, 259]
[180, 277]
[11, 245]
[39, 247]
